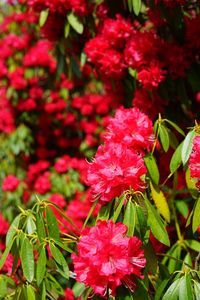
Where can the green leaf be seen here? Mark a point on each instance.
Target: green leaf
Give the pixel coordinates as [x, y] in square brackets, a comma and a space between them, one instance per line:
[151, 165]
[197, 289]
[156, 224]
[40, 227]
[78, 289]
[52, 224]
[12, 230]
[152, 262]
[141, 223]
[66, 30]
[160, 202]
[41, 266]
[83, 59]
[185, 288]
[191, 184]
[164, 137]
[75, 23]
[182, 207]
[30, 293]
[175, 126]
[187, 146]
[172, 292]
[196, 216]
[129, 217]
[43, 297]
[193, 244]
[31, 227]
[130, 5]
[43, 17]
[119, 208]
[137, 4]
[104, 212]
[176, 159]
[160, 289]
[59, 258]
[5, 253]
[27, 259]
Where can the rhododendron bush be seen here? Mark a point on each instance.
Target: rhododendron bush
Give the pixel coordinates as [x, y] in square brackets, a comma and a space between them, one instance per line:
[100, 149]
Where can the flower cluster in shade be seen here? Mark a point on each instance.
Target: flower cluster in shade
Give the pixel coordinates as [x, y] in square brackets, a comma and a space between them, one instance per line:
[107, 257]
[194, 161]
[118, 164]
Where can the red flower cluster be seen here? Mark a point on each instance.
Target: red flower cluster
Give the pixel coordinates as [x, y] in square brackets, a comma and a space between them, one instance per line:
[107, 258]
[194, 161]
[10, 183]
[129, 133]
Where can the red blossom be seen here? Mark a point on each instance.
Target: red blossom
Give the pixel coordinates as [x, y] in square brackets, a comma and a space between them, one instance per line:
[194, 161]
[109, 175]
[110, 260]
[10, 183]
[132, 128]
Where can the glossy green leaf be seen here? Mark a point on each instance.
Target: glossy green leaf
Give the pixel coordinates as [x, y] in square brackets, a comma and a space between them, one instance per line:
[151, 165]
[43, 296]
[156, 224]
[31, 227]
[27, 259]
[193, 244]
[119, 208]
[130, 5]
[75, 23]
[172, 291]
[164, 137]
[152, 262]
[59, 258]
[52, 224]
[129, 217]
[141, 222]
[30, 293]
[176, 159]
[197, 289]
[137, 4]
[187, 146]
[160, 289]
[40, 227]
[175, 126]
[43, 17]
[41, 266]
[5, 253]
[78, 289]
[182, 207]
[196, 216]
[185, 288]
[104, 212]
[66, 30]
[12, 230]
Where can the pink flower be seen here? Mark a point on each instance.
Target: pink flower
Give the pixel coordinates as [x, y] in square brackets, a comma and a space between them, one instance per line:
[114, 170]
[110, 260]
[10, 183]
[132, 128]
[194, 161]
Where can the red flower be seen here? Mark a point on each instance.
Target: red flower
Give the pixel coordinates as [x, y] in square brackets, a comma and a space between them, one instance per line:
[132, 128]
[194, 161]
[10, 183]
[43, 184]
[114, 170]
[110, 260]
[4, 225]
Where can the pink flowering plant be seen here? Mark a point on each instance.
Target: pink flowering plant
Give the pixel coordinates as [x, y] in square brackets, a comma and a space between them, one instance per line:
[100, 150]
